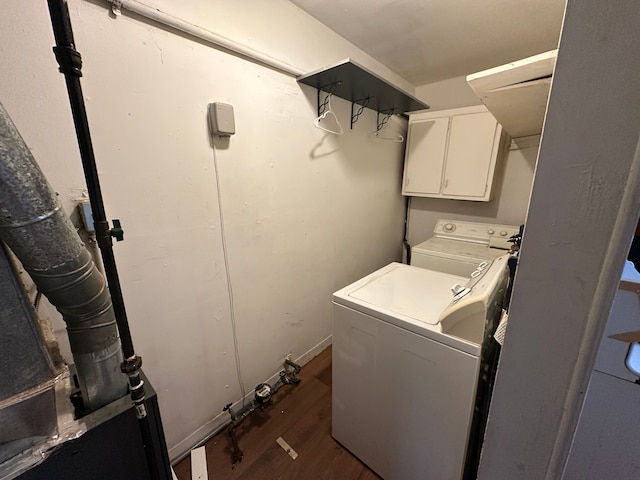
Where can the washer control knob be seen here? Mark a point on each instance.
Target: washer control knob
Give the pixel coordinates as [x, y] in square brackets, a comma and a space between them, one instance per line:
[449, 227]
[461, 293]
[491, 231]
[503, 233]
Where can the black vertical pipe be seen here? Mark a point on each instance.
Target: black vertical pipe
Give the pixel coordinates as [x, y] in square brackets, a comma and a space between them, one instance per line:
[70, 63]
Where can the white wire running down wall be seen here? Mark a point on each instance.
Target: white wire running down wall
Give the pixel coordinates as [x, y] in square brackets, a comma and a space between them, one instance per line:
[203, 34]
[232, 308]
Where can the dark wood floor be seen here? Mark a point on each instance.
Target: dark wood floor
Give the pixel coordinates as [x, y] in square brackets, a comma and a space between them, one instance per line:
[301, 415]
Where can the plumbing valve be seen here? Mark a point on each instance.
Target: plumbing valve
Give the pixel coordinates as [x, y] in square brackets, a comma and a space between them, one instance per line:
[117, 232]
[263, 393]
[262, 399]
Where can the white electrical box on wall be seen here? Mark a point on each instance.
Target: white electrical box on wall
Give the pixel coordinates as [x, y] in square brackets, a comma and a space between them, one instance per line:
[221, 119]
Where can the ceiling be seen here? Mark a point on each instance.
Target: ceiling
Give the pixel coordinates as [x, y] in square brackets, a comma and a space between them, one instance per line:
[429, 40]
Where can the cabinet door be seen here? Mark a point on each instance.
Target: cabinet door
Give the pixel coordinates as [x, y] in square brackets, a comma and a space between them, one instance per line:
[472, 140]
[426, 149]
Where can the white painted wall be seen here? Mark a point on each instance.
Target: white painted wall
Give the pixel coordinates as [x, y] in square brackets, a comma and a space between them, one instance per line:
[305, 212]
[511, 190]
[583, 212]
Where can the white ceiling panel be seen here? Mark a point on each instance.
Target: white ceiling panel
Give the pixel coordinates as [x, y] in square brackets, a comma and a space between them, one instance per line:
[430, 40]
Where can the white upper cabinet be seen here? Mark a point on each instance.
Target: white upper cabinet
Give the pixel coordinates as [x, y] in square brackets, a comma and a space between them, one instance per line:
[452, 154]
[427, 139]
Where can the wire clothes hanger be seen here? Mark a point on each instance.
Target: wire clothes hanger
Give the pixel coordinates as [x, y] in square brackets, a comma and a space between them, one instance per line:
[327, 113]
[383, 131]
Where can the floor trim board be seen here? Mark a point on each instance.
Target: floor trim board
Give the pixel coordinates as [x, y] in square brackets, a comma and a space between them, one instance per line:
[199, 464]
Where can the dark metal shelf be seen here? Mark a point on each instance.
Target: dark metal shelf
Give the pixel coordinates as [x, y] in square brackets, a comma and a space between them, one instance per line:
[354, 83]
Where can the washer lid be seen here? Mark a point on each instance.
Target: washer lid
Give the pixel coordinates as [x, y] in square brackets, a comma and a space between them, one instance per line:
[414, 292]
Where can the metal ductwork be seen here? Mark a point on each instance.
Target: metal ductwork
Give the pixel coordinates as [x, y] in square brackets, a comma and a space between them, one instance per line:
[27, 397]
[42, 237]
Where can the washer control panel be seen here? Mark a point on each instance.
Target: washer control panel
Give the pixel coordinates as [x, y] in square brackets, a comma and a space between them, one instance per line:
[484, 233]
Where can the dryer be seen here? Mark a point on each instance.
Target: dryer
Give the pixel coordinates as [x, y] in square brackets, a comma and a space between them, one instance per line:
[458, 247]
[407, 347]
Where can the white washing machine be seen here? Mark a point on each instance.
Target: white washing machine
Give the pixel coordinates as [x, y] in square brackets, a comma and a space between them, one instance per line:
[406, 357]
[458, 247]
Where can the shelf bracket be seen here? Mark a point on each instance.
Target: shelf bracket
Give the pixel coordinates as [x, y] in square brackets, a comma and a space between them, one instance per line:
[361, 107]
[328, 89]
[385, 118]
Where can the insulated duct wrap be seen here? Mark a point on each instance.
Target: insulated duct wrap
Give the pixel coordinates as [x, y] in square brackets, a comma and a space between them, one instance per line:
[24, 360]
[40, 234]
